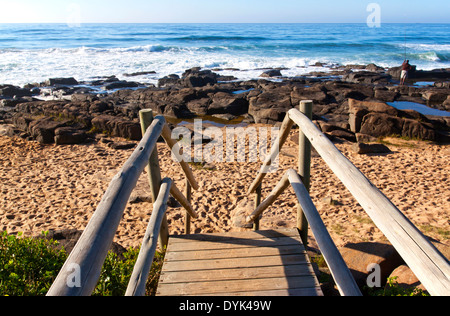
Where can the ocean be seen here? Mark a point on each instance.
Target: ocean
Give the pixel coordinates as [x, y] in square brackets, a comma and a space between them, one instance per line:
[35, 52]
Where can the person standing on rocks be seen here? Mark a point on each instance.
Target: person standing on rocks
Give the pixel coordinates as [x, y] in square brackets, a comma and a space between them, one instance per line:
[406, 67]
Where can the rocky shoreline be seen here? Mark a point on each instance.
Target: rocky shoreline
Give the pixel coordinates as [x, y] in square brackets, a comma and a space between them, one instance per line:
[350, 103]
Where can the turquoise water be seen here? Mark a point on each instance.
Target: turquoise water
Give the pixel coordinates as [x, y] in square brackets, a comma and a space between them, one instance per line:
[36, 52]
[422, 109]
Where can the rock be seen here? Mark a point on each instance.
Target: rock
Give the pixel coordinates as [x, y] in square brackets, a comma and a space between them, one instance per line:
[269, 107]
[360, 256]
[374, 68]
[240, 213]
[43, 130]
[366, 77]
[225, 103]
[198, 78]
[122, 145]
[317, 94]
[343, 134]
[379, 119]
[61, 81]
[271, 73]
[435, 96]
[69, 136]
[6, 130]
[117, 127]
[362, 148]
[13, 91]
[364, 138]
[120, 85]
[406, 279]
[385, 95]
[380, 124]
[140, 73]
[169, 80]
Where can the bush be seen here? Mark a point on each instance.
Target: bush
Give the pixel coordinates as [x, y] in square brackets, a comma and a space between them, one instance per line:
[29, 266]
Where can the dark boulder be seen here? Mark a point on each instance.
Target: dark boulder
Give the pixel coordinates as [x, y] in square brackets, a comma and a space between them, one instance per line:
[195, 77]
[13, 91]
[69, 136]
[61, 81]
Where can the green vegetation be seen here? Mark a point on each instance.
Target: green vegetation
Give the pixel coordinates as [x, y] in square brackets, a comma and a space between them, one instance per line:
[28, 267]
[394, 289]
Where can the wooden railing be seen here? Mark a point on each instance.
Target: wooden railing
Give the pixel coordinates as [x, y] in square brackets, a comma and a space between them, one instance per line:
[81, 271]
[339, 270]
[427, 263]
[86, 259]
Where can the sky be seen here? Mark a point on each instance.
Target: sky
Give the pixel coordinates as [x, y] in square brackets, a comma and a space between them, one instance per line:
[221, 11]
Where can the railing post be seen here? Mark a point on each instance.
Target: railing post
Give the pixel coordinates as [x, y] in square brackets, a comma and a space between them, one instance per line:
[304, 168]
[257, 203]
[188, 195]
[154, 173]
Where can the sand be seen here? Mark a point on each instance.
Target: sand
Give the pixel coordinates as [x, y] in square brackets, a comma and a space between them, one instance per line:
[59, 187]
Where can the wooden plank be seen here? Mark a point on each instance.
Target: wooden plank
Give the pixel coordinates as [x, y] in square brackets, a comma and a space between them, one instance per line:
[236, 274]
[240, 235]
[238, 263]
[427, 263]
[316, 291]
[232, 286]
[235, 243]
[239, 252]
[233, 263]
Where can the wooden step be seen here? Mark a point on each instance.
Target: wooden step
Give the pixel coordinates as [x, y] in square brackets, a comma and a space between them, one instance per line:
[262, 263]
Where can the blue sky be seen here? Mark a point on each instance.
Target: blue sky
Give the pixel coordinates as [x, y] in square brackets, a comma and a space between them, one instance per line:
[229, 11]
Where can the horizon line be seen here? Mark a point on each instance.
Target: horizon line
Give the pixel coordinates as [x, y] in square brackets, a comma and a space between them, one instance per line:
[224, 23]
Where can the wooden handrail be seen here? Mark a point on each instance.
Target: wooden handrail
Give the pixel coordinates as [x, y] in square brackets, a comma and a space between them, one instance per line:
[167, 135]
[86, 259]
[427, 263]
[283, 135]
[338, 268]
[138, 280]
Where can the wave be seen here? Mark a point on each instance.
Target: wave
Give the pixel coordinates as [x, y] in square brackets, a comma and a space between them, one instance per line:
[212, 38]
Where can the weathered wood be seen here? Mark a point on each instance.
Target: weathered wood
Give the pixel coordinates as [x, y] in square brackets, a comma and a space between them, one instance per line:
[237, 273]
[338, 268]
[176, 193]
[304, 168]
[258, 196]
[427, 263]
[256, 263]
[274, 152]
[234, 243]
[86, 259]
[167, 135]
[273, 196]
[232, 286]
[154, 173]
[188, 194]
[248, 251]
[138, 280]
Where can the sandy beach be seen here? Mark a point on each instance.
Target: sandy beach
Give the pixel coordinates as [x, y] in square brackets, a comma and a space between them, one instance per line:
[59, 187]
